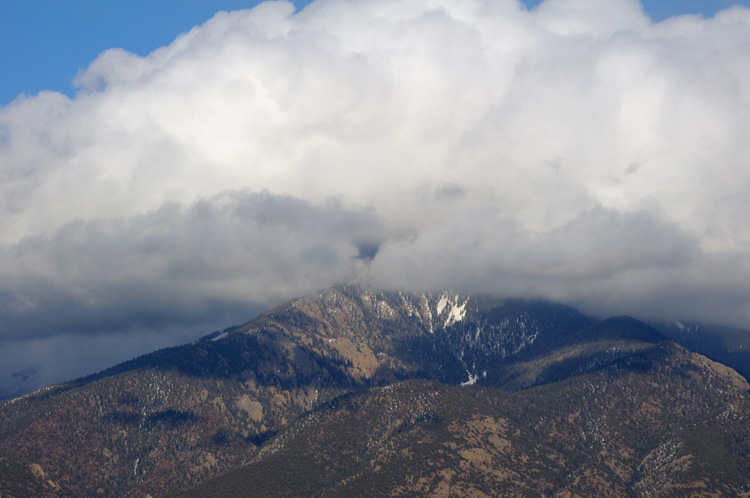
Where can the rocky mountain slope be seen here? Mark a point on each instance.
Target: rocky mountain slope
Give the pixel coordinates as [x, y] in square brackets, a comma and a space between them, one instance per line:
[181, 416]
[727, 345]
[662, 422]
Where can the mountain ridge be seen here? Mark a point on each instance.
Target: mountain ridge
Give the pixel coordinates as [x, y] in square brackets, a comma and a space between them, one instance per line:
[576, 439]
[177, 417]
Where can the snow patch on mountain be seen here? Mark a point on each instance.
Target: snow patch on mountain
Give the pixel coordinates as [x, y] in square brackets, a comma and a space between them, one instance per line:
[472, 380]
[424, 306]
[455, 311]
[441, 304]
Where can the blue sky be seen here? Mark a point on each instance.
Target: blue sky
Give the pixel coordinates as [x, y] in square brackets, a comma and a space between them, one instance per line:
[44, 43]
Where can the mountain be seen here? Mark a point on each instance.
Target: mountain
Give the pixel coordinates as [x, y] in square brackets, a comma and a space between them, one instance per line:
[21, 481]
[727, 345]
[630, 429]
[239, 399]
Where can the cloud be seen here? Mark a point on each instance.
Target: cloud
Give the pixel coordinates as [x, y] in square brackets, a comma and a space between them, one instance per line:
[577, 151]
[209, 261]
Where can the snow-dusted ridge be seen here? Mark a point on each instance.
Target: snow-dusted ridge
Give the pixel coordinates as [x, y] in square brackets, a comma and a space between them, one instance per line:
[221, 336]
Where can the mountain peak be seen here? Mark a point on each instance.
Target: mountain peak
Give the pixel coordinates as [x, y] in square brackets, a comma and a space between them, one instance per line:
[180, 416]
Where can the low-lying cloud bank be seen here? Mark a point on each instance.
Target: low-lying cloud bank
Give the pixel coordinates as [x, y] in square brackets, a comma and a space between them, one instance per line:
[578, 152]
